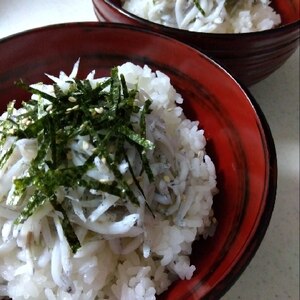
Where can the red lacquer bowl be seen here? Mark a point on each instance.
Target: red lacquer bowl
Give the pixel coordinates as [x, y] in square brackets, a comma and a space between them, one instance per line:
[239, 139]
[250, 57]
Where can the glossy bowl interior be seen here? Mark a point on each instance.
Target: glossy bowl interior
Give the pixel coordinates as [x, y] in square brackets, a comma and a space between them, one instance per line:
[250, 57]
[238, 137]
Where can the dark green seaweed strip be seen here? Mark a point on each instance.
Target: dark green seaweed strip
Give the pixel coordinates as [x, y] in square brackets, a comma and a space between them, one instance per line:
[124, 86]
[6, 156]
[33, 204]
[197, 4]
[135, 137]
[32, 90]
[146, 110]
[66, 226]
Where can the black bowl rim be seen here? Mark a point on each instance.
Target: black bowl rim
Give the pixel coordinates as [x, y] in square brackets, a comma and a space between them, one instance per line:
[171, 30]
[231, 277]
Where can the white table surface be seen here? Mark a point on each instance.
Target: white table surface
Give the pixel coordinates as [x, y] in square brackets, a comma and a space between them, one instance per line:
[274, 271]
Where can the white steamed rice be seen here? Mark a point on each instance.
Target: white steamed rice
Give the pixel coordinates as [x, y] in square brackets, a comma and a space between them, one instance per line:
[244, 16]
[133, 257]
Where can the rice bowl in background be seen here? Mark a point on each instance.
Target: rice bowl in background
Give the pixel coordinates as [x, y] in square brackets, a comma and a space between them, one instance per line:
[217, 16]
[211, 96]
[249, 57]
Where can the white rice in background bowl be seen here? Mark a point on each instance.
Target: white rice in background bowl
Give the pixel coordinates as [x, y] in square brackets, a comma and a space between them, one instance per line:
[127, 251]
[211, 16]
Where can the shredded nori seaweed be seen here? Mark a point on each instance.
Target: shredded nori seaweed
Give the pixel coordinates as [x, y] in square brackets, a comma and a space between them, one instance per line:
[104, 114]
